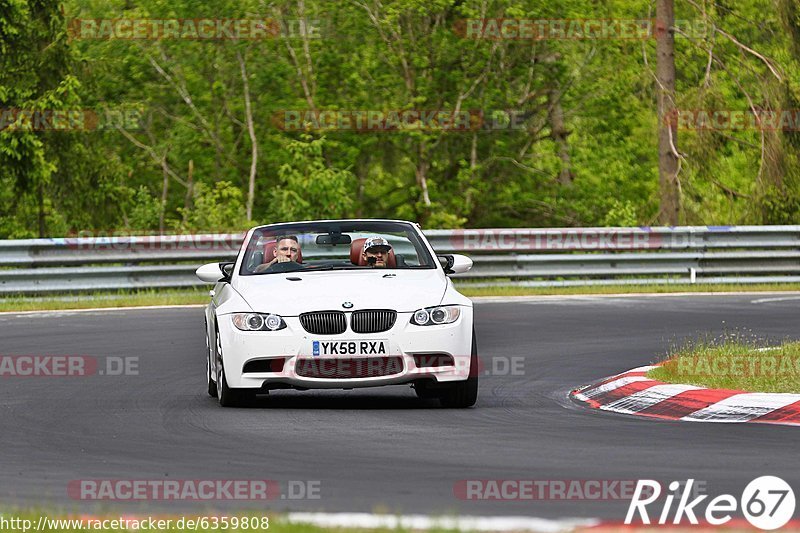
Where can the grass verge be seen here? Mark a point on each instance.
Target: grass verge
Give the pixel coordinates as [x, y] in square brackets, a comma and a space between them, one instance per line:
[106, 299]
[734, 362]
[200, 296]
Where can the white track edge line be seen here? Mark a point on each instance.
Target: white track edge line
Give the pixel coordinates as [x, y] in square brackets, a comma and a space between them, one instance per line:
[499, 299]
[109, 309]
[476, 299]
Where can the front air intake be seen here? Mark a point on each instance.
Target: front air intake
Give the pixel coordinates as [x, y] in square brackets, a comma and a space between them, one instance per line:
[349, 368]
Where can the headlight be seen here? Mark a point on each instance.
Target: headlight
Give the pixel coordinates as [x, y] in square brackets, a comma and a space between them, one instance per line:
[433, 316]
[257, 321]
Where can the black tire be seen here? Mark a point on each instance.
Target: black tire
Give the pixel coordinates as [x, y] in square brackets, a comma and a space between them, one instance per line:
[212, 385]
[227, 396]
[424, 392]
[464, 393]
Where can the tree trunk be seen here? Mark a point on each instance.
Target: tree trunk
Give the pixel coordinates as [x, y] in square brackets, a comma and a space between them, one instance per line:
[559, 133]
[362, 167]
[669, 186]
[187, 200]
[164, 194]
[251, 184]
[41, 214]
[421, 172]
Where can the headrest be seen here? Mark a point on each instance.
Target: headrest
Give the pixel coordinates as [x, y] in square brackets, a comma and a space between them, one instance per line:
[269, 252]
[356, 257]
[356, 247]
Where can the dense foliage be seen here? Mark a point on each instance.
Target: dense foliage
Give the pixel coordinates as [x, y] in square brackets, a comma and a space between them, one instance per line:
[189, 135]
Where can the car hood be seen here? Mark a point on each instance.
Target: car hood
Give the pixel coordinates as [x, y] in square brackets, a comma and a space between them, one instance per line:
[293, 293]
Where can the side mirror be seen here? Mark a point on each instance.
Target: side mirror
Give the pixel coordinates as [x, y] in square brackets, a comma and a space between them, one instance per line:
[455, 263]
[447, 263]
[461, 264]
[227, 270]
[214, 272]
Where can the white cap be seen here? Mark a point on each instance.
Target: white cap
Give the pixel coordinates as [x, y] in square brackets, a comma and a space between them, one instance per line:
[377, 242]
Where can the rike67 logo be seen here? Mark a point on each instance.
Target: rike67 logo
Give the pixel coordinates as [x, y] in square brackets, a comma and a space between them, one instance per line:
[767, 503]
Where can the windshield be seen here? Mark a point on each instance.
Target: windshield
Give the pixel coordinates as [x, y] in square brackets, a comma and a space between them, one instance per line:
[340, 245]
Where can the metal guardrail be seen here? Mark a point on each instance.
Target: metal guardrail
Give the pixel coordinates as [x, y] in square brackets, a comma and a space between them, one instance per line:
[526, 257]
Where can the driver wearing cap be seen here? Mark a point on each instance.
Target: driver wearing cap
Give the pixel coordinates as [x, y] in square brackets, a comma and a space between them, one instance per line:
[376, 252]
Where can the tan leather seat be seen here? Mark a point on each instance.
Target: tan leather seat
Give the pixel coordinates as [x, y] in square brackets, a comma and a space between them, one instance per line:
[357, 258]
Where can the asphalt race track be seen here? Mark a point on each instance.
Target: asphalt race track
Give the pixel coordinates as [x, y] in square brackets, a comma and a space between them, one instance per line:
[382, 449]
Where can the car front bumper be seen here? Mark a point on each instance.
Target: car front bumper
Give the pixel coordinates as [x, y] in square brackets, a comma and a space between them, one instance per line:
[295, 346]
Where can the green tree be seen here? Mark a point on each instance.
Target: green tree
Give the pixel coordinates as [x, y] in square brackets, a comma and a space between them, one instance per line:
[308, 187]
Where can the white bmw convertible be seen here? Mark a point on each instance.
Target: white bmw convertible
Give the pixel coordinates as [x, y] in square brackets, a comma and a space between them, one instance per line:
[339, 304]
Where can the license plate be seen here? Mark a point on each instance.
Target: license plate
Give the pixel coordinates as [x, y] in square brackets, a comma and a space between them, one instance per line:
[360, 347]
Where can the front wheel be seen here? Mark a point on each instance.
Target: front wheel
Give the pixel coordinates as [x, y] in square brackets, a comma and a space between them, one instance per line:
[464, 393]
[227, 396]
[210, 383]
